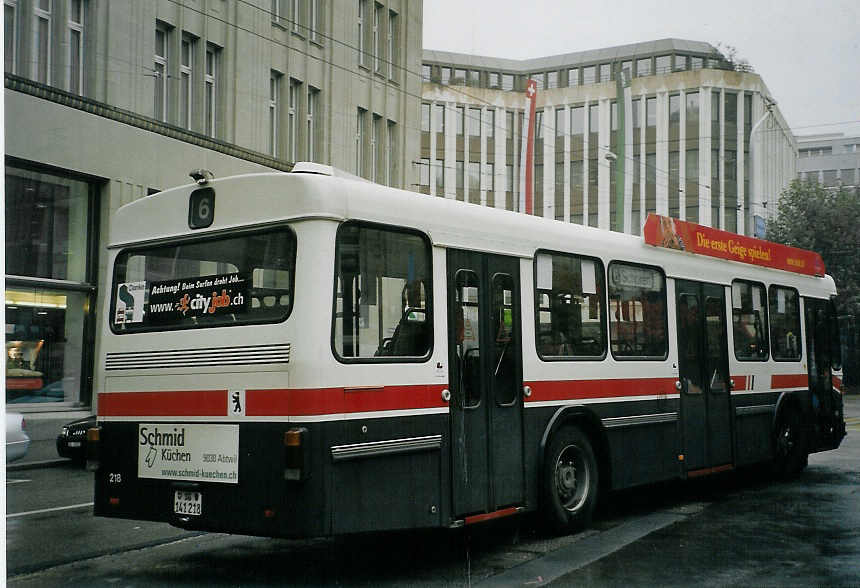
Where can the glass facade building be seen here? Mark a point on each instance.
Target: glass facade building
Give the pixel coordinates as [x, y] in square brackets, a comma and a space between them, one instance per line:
[677, 142]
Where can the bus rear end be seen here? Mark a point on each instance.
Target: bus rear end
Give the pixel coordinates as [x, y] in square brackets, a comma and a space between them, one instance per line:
[199, 337]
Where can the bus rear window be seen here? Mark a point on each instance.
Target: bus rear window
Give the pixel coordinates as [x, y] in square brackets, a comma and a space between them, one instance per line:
[233, 280]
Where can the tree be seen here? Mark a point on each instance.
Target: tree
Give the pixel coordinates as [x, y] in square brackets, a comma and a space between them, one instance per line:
[826, 221]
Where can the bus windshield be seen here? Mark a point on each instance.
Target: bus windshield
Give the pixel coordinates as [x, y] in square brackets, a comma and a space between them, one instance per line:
[229, 280]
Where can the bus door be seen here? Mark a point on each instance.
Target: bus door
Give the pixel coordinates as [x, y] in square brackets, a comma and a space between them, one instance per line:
[485, 380]
[706, 412]
[822, 340]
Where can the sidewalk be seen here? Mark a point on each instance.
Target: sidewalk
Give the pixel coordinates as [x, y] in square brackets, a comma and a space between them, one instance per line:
[43, 428]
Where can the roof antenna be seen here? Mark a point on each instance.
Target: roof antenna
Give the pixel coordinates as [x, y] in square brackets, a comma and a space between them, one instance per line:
[201, 176]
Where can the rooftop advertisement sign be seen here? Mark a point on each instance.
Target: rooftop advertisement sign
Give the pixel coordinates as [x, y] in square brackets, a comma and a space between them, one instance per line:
[663, 231]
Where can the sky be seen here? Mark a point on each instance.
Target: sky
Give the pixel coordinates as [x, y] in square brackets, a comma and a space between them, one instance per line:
[807, 52]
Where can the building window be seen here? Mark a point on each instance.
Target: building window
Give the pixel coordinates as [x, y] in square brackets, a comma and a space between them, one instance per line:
[374, 146]
[425, 117]
[664, 64]
[439, 122]
[605, 72]
[588, 74]
[313, 103]
[572, 77]
[458, 166]
[538, 80]
[489, 179]
[359, 142]
[424, 172]
[48, 238]
[293, 120]
[459, 77]
[314, 20]
[210, 88]
[295, 15]
[445, 75]
[507, 82]
[440, 176]
[651, 112]
[393, 23]
[490, 123]
[276, 10]
[362, 5]
[509, 124]
[493, 80]
[560, 123]
[474, 122]
[160, 73]
[377, 16]
[696, 63]
[474, 78]
[10, 32]
[509, 178]
[425, 73]
[552, 79]
[391, 153]
[461, 119]
[76, 46]
[643, 67]
[274, 101]
[42, 41]
[474, 176]
[185, 77]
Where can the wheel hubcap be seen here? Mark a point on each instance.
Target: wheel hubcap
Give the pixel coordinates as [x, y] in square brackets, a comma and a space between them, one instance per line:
[571, 478]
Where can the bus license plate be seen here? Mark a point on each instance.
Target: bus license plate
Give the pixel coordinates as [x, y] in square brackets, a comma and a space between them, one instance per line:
[188, 503]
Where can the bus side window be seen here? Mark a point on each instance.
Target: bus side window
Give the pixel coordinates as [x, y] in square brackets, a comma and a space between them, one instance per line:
[749, 321]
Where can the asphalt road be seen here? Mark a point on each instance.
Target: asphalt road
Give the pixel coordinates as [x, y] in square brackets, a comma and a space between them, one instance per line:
[737, 529]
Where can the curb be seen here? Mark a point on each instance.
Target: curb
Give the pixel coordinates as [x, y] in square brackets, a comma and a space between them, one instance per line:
[31, 465]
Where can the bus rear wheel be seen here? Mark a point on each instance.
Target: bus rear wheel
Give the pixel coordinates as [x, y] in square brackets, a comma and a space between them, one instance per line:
[790, 450]
[570, 481]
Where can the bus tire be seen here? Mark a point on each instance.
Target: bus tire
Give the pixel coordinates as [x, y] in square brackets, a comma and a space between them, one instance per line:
[790, 445]
[570, 481]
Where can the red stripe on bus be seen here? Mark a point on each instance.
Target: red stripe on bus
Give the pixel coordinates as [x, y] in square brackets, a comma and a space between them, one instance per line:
[789, 381]
[837, 383]
[317, 401]
[741, 383]
[168, 403]
[585, 389]
[480, 518]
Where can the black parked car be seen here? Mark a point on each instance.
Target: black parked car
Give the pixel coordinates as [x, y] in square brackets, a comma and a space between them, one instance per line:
[72, 440]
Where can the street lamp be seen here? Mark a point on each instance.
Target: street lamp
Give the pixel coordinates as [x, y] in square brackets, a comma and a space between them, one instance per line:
[769, 103]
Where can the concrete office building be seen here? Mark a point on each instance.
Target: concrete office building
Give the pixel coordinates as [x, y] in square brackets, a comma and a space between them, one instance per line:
[832, 159]
[108, 101]
[686, 152]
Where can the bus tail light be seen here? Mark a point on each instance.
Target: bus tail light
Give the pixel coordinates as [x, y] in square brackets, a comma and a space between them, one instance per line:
[93, 450]
[295, 454]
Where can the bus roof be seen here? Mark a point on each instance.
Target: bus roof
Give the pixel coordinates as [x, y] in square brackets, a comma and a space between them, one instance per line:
[321, 192]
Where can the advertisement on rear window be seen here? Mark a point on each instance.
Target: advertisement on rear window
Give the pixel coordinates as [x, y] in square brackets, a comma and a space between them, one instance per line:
[192, 453]
[172, 301]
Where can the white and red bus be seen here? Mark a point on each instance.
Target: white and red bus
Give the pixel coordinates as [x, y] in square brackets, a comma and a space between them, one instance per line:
[309, 354]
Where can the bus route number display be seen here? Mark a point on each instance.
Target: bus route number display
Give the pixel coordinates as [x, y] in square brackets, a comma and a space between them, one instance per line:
[201, 208]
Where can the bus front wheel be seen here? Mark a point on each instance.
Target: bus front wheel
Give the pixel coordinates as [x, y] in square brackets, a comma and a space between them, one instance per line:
[570, 481]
